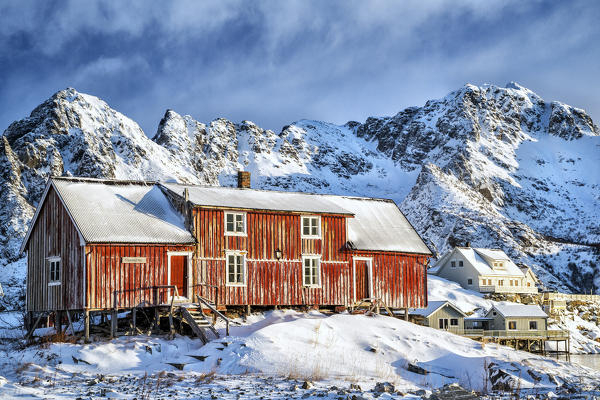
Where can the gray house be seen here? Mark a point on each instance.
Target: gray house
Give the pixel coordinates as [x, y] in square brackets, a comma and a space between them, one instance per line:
[485, 271]
[440, 315]
[517, 317]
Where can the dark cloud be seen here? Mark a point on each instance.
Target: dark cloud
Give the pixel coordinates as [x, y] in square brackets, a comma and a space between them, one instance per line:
[274, 62]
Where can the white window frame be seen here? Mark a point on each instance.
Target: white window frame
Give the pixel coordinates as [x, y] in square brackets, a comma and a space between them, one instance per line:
[244, 269]
[453, 320]
[235, 233]
[51, 281]
[461, 263]
[471, 279]
[453, 264]
[310, 236]
[508, 325]
[318, 268]
[536, 326]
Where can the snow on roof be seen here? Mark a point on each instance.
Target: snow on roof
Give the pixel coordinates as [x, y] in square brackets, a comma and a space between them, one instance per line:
[377, 224]
[229, 197]
[121, 212]
[433, 306]
[519, 310]
[481, 259]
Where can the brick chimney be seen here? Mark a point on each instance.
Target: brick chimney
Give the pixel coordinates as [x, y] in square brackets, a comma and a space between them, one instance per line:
[244, 179]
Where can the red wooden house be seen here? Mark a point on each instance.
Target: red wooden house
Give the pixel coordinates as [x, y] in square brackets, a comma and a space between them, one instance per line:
[98, 245]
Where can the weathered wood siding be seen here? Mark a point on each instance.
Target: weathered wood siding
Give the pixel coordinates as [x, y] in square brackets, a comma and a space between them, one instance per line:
[270, 281]
[54, 234]
[399, 279]
[106, 273]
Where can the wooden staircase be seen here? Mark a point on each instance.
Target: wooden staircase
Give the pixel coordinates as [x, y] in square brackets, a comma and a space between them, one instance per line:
[201, 325]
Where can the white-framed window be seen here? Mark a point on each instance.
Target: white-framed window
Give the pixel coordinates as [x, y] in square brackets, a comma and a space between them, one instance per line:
[235, 224]
[512, 325]
[453, 264]
[470, 281]
[236, 268]
[311, 227]
[54, 271]
[533, 325]
[453, 321]
[311, 271]
[460, 263]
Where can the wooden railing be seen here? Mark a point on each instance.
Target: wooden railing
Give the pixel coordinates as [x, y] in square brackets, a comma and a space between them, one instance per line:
[507, 289]
[206, 291]
[215, 313]
[156, 301]
[547, 334]
[572, 297]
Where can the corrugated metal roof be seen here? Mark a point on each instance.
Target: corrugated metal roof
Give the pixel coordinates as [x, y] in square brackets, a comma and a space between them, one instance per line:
[519, 310]
[218, 196]
[119, 212]
[377, 224]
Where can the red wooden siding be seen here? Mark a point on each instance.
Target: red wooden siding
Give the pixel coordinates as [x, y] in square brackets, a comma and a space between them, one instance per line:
[399, 279]
[106, 273]
[54, 234]
[270, 281]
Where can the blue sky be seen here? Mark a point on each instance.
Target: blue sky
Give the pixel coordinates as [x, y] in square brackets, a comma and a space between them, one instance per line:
[275, 62]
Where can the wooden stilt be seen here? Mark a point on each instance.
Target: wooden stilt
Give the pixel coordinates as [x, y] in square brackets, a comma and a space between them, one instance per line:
[248, 310]
[134, 321]
[171, 326]
[113, 324]
[86, 326]
[156, 325]
[70, 323]
[58, 321]
[34, 326]
[406, 314]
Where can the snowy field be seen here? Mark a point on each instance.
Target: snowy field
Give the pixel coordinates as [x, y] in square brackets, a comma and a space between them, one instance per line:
[273, 354]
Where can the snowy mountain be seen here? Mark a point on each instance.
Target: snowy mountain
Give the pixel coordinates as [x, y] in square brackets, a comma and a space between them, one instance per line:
[494, 166]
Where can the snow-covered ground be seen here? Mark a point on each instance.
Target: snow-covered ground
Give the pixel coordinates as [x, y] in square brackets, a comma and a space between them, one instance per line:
[287, 348]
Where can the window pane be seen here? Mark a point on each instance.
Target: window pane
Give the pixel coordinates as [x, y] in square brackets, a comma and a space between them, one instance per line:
[314, 231]
[229, 226]
[229, 218]
[306, 230]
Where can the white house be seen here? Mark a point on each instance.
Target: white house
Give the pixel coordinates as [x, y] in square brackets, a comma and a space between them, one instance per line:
[485, 270]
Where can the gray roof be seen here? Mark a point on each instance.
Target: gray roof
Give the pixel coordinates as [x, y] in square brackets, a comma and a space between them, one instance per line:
[433, 306]
[519, 310]
[121, 212]
[376, 224]
[228, 197]
[379, 225]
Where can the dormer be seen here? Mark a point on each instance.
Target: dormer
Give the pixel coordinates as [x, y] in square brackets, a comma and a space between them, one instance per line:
[498, 265]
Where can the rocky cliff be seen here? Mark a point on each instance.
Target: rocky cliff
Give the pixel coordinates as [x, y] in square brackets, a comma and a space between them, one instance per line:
[494, 166]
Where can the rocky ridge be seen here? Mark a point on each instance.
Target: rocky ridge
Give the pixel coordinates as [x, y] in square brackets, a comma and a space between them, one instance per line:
[495, 166]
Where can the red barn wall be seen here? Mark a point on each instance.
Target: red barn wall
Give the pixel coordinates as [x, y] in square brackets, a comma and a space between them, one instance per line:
[106, 273]
[54, 234]
[399, 279]
[270, 281]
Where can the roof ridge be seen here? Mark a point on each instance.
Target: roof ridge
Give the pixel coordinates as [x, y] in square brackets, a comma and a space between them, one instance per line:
[107, 181]
[279, 191]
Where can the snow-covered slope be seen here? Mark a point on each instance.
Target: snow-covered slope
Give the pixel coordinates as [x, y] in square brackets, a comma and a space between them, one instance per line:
[496, 166]
[328, 349]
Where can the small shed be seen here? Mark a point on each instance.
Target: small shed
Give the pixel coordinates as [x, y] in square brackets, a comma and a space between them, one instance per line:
[440, 315]
[517, 317]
